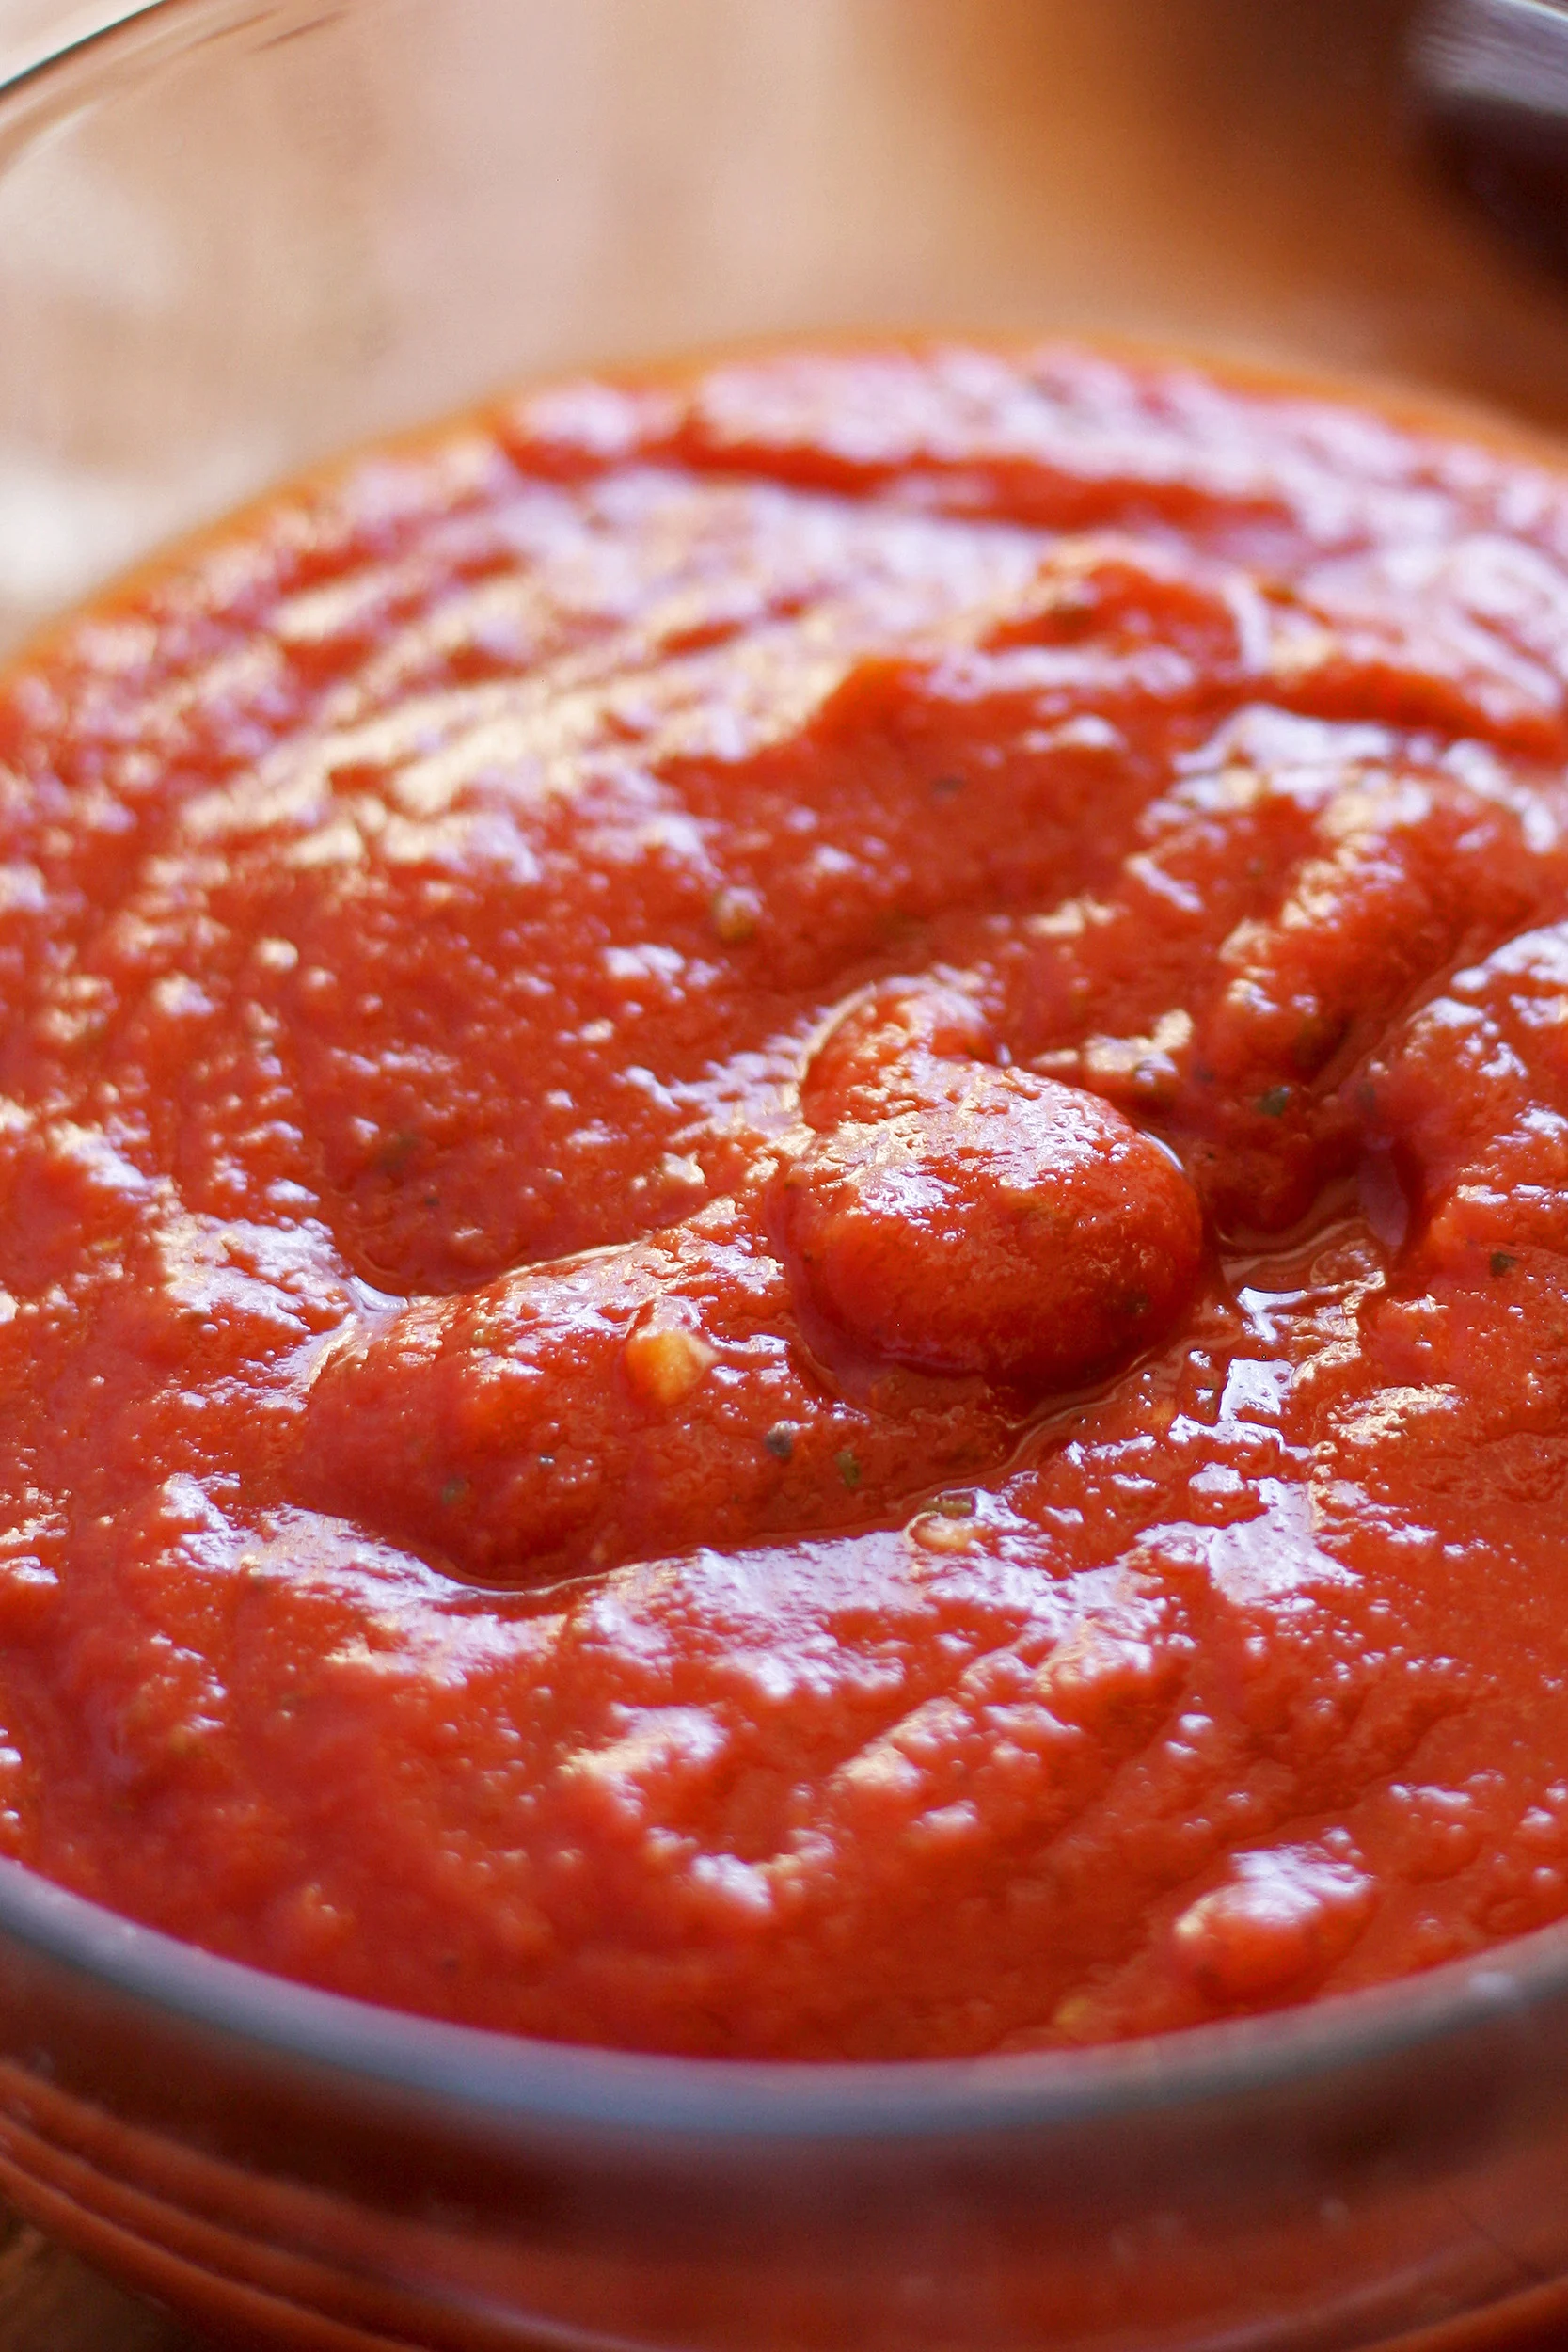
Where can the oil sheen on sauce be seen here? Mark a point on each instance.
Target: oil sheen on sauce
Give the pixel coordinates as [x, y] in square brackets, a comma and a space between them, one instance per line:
[784, 1212]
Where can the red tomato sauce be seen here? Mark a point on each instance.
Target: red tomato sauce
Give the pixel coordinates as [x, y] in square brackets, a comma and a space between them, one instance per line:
[784, 1213]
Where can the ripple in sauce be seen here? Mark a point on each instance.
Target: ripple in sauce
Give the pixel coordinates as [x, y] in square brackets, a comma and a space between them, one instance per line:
[784, 1212]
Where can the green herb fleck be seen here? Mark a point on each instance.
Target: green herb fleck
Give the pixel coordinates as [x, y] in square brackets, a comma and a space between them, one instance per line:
[779, 1442]
[1502, 1263]
[848, 1468]
[944, 787]
[1317, 1041]
[453, 1491]
[1274, 1103]
[396, 1152]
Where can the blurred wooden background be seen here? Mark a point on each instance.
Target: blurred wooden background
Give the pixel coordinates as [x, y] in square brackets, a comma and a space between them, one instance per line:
[1248, 161]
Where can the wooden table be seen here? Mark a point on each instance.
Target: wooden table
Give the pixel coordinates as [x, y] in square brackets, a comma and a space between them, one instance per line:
[1244, 166]
[50, 2302]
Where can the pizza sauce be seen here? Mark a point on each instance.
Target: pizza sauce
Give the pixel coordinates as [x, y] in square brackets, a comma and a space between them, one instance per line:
[784, 1212]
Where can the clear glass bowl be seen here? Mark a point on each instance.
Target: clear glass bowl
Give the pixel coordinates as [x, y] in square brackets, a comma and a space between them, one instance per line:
[237, 235]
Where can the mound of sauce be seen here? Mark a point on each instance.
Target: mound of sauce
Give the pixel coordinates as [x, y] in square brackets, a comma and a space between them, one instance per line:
[784, 1213]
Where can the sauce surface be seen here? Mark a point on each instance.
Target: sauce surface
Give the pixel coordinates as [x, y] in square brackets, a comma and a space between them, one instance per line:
[784, 1213]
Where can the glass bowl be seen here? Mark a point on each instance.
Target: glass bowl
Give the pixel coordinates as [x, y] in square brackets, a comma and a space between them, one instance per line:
[239, 236]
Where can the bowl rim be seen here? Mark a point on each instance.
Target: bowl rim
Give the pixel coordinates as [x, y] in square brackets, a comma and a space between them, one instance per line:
[519, 2081]
[40, 91]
